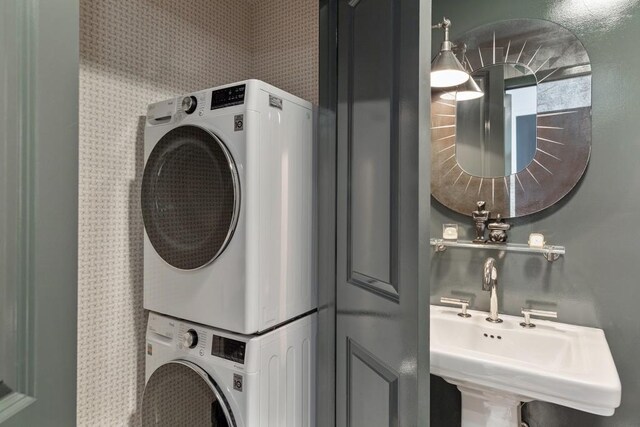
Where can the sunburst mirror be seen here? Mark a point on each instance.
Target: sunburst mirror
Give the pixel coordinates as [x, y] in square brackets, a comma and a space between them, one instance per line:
[526, 143]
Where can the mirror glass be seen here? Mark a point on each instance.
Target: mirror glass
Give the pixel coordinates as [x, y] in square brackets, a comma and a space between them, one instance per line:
[526, 142]
[496, 134]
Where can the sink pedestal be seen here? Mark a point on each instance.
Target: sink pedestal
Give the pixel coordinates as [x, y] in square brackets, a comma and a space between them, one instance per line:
[489, 408]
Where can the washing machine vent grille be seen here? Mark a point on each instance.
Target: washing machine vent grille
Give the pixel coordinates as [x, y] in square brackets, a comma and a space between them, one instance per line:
[190, 197]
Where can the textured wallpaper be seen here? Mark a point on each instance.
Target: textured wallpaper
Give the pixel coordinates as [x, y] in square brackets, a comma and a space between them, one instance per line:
[132, 53]
[285, 45]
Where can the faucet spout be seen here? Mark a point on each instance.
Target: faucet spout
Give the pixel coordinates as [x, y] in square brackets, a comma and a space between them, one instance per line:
[490, 283]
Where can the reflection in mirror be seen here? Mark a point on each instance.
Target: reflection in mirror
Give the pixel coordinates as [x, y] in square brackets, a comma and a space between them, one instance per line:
[497, 133]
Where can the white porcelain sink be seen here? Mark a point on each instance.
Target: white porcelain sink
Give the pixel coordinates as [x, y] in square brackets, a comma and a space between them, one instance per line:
[497, 366]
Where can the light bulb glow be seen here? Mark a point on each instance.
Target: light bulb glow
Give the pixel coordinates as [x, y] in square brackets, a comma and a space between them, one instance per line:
[448, 78]
[462, 95]
[465, 92]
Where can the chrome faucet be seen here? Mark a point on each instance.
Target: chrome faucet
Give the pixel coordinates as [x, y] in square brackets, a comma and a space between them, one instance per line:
[490, 283]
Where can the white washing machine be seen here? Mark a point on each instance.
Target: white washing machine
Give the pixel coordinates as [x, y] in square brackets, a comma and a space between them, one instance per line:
[201, 376]
[227, 203]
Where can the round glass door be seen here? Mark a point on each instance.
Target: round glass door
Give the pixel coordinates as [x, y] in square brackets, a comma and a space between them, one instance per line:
[190, 197]
[181, 394]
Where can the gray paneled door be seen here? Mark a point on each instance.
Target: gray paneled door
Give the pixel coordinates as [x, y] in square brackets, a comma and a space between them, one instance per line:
[380, 335]
[38, 212]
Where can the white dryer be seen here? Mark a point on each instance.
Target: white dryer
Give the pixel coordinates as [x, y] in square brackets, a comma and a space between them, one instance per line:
[227, 203]
[201, 376]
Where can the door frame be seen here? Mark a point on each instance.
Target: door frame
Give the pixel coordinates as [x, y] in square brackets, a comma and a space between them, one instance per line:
[326, 134]
[424, 203]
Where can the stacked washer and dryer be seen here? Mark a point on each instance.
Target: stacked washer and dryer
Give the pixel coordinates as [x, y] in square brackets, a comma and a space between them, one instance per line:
[229, 260]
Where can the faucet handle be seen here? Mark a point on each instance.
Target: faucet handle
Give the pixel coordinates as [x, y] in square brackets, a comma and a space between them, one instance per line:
[463, 303]
[528, 312]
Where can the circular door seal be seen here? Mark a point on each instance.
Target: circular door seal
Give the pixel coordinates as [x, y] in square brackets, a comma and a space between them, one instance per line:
[190, 197]
[180, 393]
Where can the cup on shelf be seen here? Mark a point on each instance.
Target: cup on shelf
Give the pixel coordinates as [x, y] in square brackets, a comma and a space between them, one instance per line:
[536, 240]
[450, 231]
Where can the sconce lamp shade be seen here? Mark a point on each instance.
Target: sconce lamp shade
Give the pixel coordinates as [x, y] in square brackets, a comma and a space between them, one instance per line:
[466, 91]
[446, 70]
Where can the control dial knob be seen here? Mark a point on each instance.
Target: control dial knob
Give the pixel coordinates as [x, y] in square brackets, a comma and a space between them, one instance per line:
[190, 339]
[189, 104]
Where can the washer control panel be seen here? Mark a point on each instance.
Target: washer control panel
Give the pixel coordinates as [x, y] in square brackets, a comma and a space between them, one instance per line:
[190, 337]
[189, 104]
[228, 348]
[196, 340]
[163, 326]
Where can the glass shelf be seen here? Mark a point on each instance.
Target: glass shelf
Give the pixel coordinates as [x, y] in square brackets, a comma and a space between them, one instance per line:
[551, 253]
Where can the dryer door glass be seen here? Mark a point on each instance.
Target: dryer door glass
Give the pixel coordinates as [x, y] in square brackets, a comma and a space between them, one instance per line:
[182, 394]
[190, 197]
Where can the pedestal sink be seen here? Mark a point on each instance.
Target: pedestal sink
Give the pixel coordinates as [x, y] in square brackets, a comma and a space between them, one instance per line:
[498, 366]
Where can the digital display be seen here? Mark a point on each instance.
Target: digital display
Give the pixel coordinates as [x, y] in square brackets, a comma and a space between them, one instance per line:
[228, 349]
[227, 97]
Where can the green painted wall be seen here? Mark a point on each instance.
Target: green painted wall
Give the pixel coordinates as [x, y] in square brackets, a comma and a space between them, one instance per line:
[598, 281]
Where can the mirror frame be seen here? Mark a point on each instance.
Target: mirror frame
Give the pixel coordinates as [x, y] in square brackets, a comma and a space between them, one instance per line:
[563, 137]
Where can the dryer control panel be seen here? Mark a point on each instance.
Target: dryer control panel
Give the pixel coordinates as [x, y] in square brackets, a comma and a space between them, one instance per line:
[228, 96]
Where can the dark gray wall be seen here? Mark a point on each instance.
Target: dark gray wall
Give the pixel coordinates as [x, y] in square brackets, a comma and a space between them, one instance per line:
[597, 283]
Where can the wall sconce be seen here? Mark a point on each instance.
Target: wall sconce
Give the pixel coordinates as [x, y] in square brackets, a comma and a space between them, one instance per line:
[446, 70]
[464, 92]
[467, 90]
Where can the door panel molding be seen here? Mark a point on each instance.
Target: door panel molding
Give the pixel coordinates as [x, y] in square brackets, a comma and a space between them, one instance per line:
[371, 284]
[382, 283]
[379, 368]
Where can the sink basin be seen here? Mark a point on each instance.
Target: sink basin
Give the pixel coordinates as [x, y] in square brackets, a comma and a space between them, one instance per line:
[497, 366]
